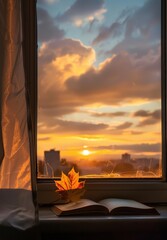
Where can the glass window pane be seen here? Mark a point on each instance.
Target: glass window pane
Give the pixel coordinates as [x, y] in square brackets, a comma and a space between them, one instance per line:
[99, 88]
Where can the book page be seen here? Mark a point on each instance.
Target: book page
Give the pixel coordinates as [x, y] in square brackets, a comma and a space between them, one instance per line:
[112, 203]
[82, 203]
[81, 207]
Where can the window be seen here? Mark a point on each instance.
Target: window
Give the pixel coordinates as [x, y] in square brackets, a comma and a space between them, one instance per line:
[101, 92]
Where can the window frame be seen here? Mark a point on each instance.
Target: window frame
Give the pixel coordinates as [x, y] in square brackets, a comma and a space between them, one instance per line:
[145, 190]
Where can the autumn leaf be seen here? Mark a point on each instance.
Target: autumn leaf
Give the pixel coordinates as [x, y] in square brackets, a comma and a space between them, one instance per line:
[74, 179]
[69, 182]
[64, 184]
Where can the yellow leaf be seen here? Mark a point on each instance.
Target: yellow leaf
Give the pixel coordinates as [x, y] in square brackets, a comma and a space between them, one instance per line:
[69, 182]
[59, 185]
[66, 181]
[64, 184]
[74, 177]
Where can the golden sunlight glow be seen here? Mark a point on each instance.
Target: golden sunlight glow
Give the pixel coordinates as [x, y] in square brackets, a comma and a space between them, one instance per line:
[85, 152]
[71, 65]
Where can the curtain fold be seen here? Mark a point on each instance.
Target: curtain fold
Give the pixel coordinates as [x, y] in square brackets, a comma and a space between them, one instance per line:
[17, 208]
[15, 167]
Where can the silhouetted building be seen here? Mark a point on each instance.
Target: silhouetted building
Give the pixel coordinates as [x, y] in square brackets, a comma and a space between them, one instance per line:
[52, 162]
[126, 157]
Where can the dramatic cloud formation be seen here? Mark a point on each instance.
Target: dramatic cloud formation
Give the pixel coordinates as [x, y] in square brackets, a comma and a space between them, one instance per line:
[134, 26]
[109, 85]
[82, 9]
[68, 80]
[58, 61]
[95, 96]
[47, 29]
[49, 52]
[66, 72]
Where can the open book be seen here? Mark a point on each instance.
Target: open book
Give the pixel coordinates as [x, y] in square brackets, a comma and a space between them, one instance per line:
[108, 206]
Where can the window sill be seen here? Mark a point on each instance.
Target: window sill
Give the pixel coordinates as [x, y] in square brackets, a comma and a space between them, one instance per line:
[97, 227]
[145, 191]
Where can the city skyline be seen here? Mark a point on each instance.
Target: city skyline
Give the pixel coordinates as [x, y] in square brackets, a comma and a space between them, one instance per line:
[126, 166]
[55, 155]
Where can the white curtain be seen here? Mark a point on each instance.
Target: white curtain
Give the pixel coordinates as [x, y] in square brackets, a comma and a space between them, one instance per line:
[16, 203]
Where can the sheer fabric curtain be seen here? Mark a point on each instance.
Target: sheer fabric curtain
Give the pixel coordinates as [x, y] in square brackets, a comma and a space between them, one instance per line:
[17, 208]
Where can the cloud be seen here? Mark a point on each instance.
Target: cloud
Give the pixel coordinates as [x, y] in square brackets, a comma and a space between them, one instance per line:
[149, 117]
[113, 31]
[44, 139]
[53, 112]
[116, 29]
[48, 122]
[109, 114]
[117, 80]
[67, 80]
[83, 9]
[143, 147]
[149, 121]
[47, 29]
[123, 126]
[142, 30]
[136, 132]
[58, 61]
[142, 24]
[141, 50]
[146, 20]
[63, 126]
[48, 52]
[143, 113]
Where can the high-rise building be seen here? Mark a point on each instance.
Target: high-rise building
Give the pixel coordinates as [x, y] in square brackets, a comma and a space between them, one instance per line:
[52, 162]
[126, 157]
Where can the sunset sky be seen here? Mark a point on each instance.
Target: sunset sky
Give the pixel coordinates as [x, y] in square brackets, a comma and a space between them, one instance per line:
[99, 78]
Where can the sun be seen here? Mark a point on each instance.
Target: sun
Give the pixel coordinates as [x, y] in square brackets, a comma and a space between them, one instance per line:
[85, 152]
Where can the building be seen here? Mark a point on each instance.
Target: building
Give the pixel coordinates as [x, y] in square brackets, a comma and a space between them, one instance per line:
[52, 162]
[126, 157]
